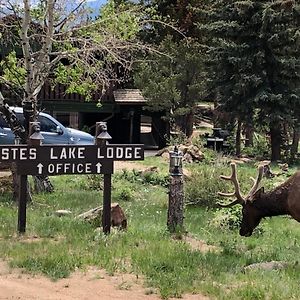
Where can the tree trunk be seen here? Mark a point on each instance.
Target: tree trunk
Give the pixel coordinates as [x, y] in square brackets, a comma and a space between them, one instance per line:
[19, 131]
[176, 204]
[189, 118]
[186, 123]
[275, 132]
[238, 139]
[42, 184]
[249, 132]
[16, 182]
[295, 143]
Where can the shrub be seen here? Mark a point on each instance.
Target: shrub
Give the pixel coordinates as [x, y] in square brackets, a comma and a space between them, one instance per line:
[227, 218]
[260, 148]
[231, 218]
[125, 194]
[204, 184]
[95, 182]
[177, 139]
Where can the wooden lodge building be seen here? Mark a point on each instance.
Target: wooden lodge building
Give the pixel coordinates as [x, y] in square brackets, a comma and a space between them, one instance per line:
[122, 109]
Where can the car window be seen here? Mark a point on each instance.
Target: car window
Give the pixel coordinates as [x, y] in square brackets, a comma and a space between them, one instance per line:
[47, 125]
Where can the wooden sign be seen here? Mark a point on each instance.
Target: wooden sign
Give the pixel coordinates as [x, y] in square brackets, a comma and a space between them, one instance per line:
[44, 160]
[63, 168]
[70, 153]
[41, 160]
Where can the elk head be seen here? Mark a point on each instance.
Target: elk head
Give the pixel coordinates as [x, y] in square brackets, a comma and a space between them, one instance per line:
[251, 215]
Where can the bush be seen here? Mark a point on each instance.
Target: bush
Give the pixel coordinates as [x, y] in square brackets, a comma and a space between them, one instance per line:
[125, 194]
[95, 182]
[260, 148]
[227, 218]
[231, 218]
[203, 187]
[205, 183]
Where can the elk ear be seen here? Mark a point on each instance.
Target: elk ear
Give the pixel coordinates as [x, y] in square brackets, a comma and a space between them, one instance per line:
[258, 193]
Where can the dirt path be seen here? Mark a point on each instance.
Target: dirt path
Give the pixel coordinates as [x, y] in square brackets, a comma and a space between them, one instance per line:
[91, 285]
[129, 165]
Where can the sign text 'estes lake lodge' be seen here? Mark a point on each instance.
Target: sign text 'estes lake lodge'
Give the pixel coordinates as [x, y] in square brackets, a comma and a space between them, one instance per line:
[69, 159]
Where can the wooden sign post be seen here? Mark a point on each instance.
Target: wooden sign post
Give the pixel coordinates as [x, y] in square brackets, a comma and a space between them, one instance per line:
[22, 204]
[102, 138]
[37, 159]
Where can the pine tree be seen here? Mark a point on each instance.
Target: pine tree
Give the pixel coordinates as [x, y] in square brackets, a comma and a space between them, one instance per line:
[172, 82]
[253, 60]
[281, 39]
[234, 57]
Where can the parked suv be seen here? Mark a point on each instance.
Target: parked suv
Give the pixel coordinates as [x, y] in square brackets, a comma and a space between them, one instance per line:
[52, 131]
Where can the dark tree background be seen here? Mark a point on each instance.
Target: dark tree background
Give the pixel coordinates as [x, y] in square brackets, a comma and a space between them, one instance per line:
[172, 79]
[253, 63]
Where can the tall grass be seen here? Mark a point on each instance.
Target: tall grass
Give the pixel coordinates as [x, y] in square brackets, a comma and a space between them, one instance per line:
[57, 246]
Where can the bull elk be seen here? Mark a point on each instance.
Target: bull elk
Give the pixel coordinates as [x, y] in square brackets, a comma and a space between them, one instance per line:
[283, 200]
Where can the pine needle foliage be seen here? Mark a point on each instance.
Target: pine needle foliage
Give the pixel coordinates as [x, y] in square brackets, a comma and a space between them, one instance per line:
[253, 58]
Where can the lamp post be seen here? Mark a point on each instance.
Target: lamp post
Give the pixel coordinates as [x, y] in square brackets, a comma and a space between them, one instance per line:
[176, 194]
[102, 136]
[35, 136]
[175, 162]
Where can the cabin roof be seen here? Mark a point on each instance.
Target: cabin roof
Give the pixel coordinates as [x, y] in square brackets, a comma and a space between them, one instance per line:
[129, 96]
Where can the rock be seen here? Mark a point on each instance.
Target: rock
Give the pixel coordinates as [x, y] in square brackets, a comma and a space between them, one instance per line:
[272, 265]
[195, 152]
[94, 216]
[165, 155]
[162, 151]
[200, 245]
[118, 217]
[149, 170]
[147, 173]
[187, 157]
[190, 153]
[266, 164]
[284, 167]
[263, 163]
[182, 148]
[62, 212]
[237, 161]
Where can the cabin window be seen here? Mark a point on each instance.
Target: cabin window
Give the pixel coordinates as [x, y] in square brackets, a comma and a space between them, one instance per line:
[146, 124]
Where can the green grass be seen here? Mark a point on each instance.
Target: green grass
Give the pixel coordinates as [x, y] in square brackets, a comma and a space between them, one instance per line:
[63, 244]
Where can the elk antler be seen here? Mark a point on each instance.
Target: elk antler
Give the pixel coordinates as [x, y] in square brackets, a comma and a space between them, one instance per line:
[237, 193]
[256, 183]
[240, 199]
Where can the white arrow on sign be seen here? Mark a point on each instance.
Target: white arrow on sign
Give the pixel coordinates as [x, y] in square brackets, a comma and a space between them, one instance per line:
[98, 165]
[40, 168]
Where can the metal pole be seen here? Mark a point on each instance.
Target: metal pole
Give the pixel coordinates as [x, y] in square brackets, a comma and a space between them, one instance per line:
[22, 204]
